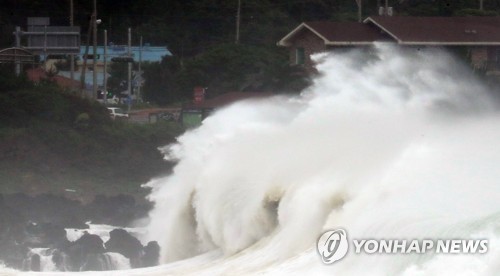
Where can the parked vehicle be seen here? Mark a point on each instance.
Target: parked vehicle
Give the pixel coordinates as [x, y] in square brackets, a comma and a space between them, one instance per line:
[112, 100]
[116, 112]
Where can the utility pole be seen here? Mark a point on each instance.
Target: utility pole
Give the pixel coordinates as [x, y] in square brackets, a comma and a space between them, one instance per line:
[360, 8]
[105, 71]
[129, 69]
[85, 56]
[18, 45]
[71, 56]
[238, 18]
[45, 46]
[480, 5]
[94, 65]
[140, 72]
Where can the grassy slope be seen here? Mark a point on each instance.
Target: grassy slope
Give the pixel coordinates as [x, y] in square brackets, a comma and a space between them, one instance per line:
[51, 141]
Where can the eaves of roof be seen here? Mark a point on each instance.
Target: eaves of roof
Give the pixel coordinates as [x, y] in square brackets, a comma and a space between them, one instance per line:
[370, 20]
[404, 30]
[440, 31]
[284, 40]
[337, 33]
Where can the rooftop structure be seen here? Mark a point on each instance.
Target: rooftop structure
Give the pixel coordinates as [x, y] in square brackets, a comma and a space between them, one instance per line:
[149, 53]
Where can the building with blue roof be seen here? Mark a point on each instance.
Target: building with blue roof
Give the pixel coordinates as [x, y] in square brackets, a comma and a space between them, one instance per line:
[145, 54]
[148, 53]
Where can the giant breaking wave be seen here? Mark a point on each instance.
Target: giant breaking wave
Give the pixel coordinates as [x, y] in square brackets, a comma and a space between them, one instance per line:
[386, 143]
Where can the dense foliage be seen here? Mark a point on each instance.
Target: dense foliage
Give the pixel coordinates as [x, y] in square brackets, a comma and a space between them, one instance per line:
[223, 68]
[52, 140]
[190, 27]
[201, 35]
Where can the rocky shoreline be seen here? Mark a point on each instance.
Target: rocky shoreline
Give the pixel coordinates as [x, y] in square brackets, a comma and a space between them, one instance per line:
[29, 222]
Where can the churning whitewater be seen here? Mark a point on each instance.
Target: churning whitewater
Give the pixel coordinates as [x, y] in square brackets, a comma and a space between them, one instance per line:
[386, 144]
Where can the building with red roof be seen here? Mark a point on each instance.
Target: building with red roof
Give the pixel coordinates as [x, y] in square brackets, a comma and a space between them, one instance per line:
[38, 74]
[192, 114]
[480, 35]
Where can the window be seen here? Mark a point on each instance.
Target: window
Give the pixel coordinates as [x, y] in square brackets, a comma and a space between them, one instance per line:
[300, 56]
[496, 63]
[91, 56]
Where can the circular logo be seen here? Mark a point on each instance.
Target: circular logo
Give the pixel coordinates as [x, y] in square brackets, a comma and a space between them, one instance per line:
[333, 245]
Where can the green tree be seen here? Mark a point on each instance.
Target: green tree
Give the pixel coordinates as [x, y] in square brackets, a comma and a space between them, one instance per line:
[221, 69]
[475, 12]
[9, 81]
[160, 86]
[118, 80]
[237, 67]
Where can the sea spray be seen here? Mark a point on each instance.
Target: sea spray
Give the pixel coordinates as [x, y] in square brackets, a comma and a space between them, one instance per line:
[387, 143]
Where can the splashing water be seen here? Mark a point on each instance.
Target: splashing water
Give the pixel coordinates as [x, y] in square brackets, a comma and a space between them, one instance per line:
[113, 260]
[102, 230]
[46, 262]
[386, 143]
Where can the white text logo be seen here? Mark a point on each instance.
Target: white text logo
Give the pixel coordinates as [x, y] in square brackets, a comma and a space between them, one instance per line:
[333, 245]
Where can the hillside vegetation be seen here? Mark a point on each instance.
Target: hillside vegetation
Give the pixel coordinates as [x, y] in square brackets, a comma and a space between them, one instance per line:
[51, 140]
[202, 37]
[54, 141]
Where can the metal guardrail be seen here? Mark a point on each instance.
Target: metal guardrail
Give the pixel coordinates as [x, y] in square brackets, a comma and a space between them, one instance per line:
[11, 55]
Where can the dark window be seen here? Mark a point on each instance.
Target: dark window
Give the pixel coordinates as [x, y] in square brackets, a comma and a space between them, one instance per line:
[91, 56]
[497, 58]
[300, 56]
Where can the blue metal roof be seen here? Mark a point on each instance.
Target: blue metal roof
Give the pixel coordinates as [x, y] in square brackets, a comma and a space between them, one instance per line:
[149, 53]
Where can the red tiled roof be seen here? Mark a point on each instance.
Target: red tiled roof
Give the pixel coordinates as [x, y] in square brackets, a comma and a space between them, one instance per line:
[38, 74]
[473, 30]
[338, 33]
[410, 30]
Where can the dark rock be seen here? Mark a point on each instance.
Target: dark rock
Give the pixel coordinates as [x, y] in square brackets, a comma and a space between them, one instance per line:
[12, 250]
[122, 242]
[79, 251]
[40, 221]
[61, 260]
[94, 262]
[13, 253]
[89, 243]
[151, 255]
[35, 262]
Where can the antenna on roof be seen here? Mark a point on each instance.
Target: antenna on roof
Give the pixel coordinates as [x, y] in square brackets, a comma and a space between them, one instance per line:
[385, 10]
[389, 11]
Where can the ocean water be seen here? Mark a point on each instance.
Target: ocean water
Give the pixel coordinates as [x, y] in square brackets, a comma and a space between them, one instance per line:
[386, 143]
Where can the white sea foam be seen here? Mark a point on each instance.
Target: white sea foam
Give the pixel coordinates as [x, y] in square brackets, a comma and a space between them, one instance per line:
[386, 143]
